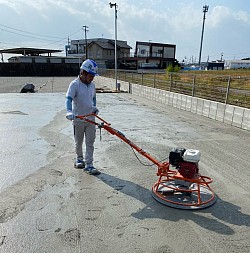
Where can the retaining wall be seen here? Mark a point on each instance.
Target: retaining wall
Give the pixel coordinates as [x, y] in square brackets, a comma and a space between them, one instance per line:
[229, 114]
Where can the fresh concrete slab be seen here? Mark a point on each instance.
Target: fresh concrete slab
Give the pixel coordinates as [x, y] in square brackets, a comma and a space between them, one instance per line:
[56, 208]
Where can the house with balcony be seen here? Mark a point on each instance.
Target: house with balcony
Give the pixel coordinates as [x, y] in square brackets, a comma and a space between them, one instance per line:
[157, 55]
[100, 50]
[150, 55]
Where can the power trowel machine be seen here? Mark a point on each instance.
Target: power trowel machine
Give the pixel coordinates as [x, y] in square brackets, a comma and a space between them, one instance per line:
[180, 185]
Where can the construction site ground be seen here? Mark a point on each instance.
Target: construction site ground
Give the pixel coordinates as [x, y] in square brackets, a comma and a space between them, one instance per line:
[46, 205]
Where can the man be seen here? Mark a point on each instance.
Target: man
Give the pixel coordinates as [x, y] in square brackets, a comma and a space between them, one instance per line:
[82, 94]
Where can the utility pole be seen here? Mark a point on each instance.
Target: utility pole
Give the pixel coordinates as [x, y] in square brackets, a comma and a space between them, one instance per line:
[68, 47]
[116, 6]
[205, 10]
[79, 58]
[86, 43]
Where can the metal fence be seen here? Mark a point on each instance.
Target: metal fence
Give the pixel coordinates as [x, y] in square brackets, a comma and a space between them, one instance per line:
[234, 90]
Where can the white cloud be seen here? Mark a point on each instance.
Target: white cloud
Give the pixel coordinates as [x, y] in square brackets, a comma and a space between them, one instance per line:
[221, 14]
[166, 21]
[242, 16]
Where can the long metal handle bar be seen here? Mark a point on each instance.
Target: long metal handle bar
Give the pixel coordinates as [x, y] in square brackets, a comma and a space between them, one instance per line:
[104, 124]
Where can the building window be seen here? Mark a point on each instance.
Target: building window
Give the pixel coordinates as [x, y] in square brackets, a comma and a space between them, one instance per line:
[98, 53]
[160, 52]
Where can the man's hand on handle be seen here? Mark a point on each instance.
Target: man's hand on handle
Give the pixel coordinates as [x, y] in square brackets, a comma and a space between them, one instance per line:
[70, 116]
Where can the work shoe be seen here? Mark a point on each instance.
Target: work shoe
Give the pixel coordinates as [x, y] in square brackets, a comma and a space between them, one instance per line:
[79, 164]
[90, 169]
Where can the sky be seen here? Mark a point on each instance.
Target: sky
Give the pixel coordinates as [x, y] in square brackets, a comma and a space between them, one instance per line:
[51, 23]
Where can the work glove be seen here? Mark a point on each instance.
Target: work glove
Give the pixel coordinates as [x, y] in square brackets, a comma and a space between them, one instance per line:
[70, 116]
[95, 110]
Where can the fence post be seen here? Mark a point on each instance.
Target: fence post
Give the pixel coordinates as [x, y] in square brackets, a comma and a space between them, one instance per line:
[142, 78]
[154, 79]
[130, 88]
[193, 88]
[171, 81]
[228, 88]
[52, 86]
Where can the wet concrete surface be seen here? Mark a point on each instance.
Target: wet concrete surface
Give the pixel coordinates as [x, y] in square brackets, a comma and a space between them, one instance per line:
[23, 149]
[48, 206]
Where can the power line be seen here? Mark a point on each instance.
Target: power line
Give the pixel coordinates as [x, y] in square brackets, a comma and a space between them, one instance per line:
[41, 35]
[63, 38]
[28, 36]
[36, 36]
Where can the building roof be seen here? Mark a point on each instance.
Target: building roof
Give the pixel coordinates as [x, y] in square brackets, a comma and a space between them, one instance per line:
[110, 45]
[120, 43]
[29, 51]
[238, 61]
[105, 43]
[145, 43]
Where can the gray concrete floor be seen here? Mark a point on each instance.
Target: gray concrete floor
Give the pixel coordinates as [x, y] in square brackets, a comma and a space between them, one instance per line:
[48, 206]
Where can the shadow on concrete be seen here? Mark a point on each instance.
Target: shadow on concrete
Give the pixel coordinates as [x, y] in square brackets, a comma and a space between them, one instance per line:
[221, 212]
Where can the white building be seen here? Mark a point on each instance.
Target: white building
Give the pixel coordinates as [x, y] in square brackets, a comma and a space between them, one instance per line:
[237, 64]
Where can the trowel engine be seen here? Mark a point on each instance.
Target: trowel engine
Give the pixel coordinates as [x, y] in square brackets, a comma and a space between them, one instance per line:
[185, 161]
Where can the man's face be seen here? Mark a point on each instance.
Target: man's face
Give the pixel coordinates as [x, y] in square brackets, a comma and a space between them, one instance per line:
[87, 78]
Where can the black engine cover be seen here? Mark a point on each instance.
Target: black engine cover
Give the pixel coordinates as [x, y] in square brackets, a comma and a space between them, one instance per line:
[175, 156]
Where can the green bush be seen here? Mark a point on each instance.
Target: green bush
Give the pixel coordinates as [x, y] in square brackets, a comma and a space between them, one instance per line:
[172, 68]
